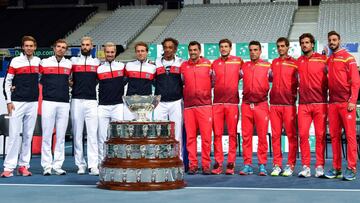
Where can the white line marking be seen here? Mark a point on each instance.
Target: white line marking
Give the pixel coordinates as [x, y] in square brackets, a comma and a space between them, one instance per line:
[45, 185]
[199, 188]
[275, 189]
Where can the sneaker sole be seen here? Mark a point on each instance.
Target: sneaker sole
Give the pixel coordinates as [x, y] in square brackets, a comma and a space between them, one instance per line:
[302, 176]
[9, 176]
[244, 174]
[262, 174]
[349, 179]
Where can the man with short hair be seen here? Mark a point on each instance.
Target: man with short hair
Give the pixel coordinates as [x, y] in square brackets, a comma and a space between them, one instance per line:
[282, 107]
[255, 109]
[140, 74]
[169, 85]
[111, 89]
[55, 72]
[84, 107]
[21, 94]
[312, 104]
[343, 92]
[225, 106]
[196, 73]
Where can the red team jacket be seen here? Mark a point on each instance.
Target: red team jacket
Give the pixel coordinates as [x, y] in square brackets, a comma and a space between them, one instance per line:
[197, 82]
[227, 75]
[256, 84]
[343, 77]
[313, 80]
[285, 82]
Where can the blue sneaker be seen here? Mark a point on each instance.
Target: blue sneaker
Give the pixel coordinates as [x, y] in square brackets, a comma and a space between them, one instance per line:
[262, 170]
[247, 170]
[349, 174]
[333, 173]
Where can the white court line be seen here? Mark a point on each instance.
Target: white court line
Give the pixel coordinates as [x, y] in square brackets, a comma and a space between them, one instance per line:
[199, 188]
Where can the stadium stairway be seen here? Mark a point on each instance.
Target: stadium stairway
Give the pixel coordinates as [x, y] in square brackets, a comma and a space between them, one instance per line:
[74, 36]
[150, 33]
[305, 20]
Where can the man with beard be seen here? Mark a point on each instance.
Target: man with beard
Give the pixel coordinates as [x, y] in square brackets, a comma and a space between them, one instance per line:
[255, 109]
[312, 104]
[196, 73]
[282, 107]
[140, 74]
[169, 85]
[343, 92]
[55, 72]
[84, 107]
[111, 90]
[21, 95]
[225, 106]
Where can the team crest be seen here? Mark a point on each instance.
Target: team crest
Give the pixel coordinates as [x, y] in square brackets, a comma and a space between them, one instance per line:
[92, 68]
[147, 75]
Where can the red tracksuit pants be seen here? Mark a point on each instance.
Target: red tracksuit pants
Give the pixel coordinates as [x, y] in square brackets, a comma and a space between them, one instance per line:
[340, 117]
[194, 118]
[228, 113]
[306, 114]
[283, 116]
[258, 115]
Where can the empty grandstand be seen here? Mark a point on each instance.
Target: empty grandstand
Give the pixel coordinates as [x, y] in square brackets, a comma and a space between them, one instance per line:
[239, 22]
[342, 16]
[123, 25]
[45, 24]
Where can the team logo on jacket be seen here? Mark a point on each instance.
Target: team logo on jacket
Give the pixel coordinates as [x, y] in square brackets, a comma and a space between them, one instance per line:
[65, 71]
[92, 68]
[147, 75]
[119, 72]
[36, 69]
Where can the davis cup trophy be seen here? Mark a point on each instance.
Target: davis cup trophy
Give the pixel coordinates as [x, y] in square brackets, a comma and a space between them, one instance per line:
[141, 154]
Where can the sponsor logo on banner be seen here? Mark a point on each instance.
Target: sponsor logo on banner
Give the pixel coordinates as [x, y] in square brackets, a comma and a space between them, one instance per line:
[211, 51]
[242, 50]
[272, 51]
[182, 51]
[152, 53]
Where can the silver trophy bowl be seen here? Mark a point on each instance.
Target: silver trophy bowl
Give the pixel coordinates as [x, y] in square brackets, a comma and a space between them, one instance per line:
[141, 105]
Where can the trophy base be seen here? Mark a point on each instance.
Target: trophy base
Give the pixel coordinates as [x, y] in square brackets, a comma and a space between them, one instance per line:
[141, 186]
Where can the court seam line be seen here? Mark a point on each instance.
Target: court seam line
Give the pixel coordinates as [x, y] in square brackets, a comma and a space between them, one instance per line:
[200, 188]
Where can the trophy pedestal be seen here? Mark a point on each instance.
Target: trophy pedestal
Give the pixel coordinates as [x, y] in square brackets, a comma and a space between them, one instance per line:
[141, 156]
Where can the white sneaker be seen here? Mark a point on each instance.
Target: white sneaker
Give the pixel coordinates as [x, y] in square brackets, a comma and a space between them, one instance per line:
[47, 171]
[276, 171]
[82, 170]
[305, 173]
[288, 171]
[59, 171]
[319, 172]
[94, 171]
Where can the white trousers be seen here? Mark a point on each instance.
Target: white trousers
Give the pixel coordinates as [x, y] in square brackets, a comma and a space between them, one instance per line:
[54, 114]
[172, 111]
[128, 115]
[85, 110]
[107, 113]
[22, 120]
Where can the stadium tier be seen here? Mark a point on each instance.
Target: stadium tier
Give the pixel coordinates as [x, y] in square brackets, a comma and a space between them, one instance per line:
[45, 24]
[239, 22]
